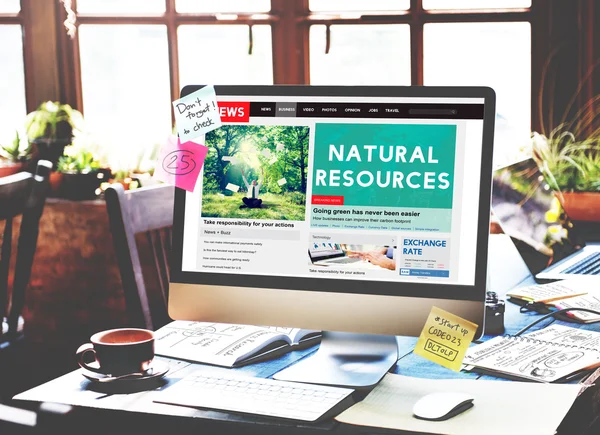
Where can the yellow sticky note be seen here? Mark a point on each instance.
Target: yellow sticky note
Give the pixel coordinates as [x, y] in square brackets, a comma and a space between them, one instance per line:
[445, 339]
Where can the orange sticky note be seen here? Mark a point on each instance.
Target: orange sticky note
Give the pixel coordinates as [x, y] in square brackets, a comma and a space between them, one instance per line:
[445, 338]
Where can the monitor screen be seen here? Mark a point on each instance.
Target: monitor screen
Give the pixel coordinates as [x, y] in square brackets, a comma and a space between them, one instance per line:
[389, 187]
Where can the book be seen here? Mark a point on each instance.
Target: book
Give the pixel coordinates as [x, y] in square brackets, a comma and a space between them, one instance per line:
[591, 301]
[544, 293]
[555, 354]
[228, 345]
[572, 293]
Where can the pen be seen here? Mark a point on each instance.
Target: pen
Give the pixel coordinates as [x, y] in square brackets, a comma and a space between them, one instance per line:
[576, 375]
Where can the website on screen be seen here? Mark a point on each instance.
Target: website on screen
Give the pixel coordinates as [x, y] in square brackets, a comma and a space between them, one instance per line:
[371, 189]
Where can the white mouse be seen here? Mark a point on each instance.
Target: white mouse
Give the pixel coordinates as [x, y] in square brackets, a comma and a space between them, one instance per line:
[442, 406]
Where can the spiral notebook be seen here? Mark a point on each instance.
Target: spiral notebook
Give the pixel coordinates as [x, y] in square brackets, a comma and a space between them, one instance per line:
[554, 354]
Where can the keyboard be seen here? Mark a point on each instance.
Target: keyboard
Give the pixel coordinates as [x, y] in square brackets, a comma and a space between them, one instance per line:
[590, 265]
[244, 394]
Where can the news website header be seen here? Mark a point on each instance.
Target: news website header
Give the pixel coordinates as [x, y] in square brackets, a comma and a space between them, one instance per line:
[232, 111]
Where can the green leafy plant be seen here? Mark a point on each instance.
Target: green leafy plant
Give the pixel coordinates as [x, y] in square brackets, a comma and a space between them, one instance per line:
[77, 161]
[53, 120]
[568, 164]
[569, 156]
[18, 151]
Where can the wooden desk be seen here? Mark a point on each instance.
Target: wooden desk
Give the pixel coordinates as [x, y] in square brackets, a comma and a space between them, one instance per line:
[136, 413]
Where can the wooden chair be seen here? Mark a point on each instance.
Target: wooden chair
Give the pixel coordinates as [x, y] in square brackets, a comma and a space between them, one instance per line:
[48, 418]
[24, 195]
[17, 421]
[147, 211]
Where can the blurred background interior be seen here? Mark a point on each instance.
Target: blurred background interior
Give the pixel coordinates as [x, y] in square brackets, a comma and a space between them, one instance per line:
[87, 85]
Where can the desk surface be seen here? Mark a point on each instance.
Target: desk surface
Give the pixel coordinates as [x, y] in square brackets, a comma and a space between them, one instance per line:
[106, 410]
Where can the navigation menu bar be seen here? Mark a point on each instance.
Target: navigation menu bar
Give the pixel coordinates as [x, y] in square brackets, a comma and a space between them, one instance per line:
[367, 110]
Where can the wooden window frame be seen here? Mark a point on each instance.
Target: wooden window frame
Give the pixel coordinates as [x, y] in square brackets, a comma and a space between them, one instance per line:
[416, 17]
[290, 21]
[172, 20]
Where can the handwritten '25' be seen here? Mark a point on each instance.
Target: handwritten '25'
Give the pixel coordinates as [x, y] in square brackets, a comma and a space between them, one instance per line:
[179, 162]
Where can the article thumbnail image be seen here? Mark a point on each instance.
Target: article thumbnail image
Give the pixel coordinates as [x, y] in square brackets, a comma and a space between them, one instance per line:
[332, 254]
[256, 172]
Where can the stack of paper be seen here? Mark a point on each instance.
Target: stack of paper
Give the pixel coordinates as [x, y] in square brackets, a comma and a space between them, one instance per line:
[500, 408]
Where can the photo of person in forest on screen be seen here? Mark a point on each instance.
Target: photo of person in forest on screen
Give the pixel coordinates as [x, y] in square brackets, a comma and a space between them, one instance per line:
[256, 172]
[252, 200]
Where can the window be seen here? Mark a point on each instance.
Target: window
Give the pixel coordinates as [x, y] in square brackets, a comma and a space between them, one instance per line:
[486, 54]
[125, 82]
[475, 4]
[12, 82]
[367, 55]
[120, 7]
[142, 52]
[10, 7]
[136, 55]
[226, 57]
[372, 6]
[384, 42]
[222, 6]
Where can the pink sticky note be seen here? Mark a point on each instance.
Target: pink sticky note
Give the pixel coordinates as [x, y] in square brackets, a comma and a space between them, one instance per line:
[180, 163]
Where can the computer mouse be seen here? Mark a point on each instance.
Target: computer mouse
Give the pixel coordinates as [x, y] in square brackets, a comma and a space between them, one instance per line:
[442, 406]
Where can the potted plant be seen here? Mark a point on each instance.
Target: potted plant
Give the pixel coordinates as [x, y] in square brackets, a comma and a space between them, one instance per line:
[81, 174]
[51, 128]
[571, 167]
[125, 179]
[14, 156]
[144, 166]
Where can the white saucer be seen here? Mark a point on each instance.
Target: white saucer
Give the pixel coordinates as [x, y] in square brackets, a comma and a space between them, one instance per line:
[157, 370]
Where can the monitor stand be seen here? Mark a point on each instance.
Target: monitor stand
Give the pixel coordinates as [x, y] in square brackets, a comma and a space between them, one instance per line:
[346, 360]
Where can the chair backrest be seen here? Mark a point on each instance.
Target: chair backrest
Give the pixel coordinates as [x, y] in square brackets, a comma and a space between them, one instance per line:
[149, 211]
[22, 194]
[17, 421]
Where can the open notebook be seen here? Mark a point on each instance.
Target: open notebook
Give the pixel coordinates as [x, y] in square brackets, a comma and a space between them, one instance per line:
[572, 293]
[228, 345]
[553, 354]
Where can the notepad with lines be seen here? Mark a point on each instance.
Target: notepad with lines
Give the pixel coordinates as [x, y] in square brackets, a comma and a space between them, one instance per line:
[550, 355]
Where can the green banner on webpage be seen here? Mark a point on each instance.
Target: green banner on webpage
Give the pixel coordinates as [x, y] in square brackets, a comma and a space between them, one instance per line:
[389, 165]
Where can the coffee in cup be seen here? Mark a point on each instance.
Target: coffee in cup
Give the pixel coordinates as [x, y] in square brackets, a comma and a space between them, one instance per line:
[119, 351]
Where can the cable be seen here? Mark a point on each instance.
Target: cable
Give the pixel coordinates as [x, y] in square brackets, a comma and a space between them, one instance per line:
[552, 314]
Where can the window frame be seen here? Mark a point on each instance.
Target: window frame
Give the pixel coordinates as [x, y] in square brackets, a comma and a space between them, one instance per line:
[172, 20]
[416, 17]
[290, 21]
[22, 18]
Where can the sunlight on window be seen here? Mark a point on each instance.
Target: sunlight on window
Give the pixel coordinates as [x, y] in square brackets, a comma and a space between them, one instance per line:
[12, 84]
[225, 58]
[475, 4]
[360, 6]
[497, 55]
[10, 6]
[360, 55]
[120, 7]
[208, 6]
[126, 94]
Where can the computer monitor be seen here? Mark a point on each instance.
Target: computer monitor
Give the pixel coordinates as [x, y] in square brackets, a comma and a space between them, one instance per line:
[397, 179]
